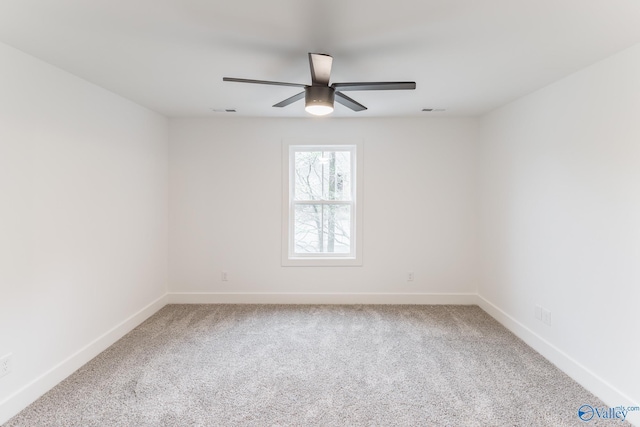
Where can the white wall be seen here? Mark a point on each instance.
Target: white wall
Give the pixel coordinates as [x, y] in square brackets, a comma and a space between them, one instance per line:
[560, 178]
[419, 207]
[83, 220]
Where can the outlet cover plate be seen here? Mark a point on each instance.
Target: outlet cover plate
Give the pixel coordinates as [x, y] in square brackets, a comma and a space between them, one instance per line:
[5, 364]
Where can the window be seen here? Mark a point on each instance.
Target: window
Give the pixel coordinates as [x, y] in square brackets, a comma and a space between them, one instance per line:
[322, 197]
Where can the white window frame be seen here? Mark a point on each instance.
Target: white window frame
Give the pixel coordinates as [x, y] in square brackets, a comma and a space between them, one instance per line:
[289, 258]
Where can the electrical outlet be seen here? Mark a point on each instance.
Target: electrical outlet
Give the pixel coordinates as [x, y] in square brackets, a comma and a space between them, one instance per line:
[5, 365]
[543, 315]
[546, 317]
[539, 313]
[410, 276]
[224, 276]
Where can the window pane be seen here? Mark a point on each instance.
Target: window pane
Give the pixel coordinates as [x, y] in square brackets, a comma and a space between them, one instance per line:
[322, 229]
[307, 233]
[337, 228]
[336, 175]
[322, 175]
[308, 175]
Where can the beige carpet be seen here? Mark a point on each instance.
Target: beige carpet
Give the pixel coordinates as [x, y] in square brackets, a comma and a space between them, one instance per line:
[277, 365]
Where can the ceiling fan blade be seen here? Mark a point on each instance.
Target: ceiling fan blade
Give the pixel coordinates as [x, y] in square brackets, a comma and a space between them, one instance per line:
[290, 100]
[348, 102]
[261, 82]
[374, 86]
[320, 65]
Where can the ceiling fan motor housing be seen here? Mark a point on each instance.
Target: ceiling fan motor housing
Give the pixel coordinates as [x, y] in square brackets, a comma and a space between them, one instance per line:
[319, 96]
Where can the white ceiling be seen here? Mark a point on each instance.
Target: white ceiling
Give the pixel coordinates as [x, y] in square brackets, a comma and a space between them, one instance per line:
[467, 56]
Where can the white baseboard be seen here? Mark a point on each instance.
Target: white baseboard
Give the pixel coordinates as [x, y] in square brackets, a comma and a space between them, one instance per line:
[26, 395]
[578, 372]
[317, 298]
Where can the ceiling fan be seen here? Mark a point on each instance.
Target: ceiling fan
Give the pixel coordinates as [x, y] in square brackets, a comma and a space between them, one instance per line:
[319, 96]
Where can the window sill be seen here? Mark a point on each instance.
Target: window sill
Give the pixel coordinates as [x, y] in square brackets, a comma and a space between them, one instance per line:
[322, 262]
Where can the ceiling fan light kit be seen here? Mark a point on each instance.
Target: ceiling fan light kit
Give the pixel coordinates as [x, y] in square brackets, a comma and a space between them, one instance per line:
[319, 97]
